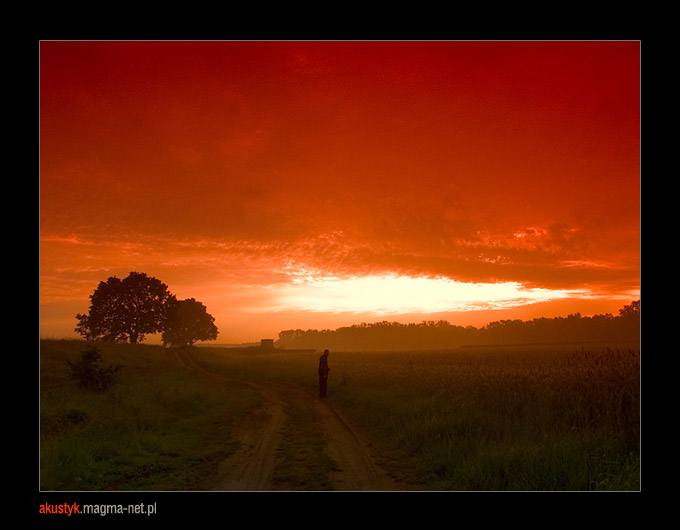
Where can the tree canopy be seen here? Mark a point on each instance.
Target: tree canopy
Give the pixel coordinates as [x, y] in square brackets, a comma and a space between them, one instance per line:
[188, 321]
[126, 310]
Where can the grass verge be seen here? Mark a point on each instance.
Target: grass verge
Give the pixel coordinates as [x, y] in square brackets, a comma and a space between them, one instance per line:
[159, 428]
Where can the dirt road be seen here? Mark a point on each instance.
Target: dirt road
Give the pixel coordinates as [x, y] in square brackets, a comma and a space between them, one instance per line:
[251, 467]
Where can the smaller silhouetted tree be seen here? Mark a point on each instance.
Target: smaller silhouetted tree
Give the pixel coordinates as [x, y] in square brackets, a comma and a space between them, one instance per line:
[188, 321]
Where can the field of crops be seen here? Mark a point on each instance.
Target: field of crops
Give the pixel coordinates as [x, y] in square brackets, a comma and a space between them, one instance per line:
[502, 418]
[476, 419]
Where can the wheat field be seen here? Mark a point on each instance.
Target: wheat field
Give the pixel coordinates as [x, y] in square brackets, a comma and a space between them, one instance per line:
[536, 418]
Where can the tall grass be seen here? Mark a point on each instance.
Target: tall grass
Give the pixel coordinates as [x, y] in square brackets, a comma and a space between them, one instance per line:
[160, 427]
[482, 419]
[487, 418]
[505, 420]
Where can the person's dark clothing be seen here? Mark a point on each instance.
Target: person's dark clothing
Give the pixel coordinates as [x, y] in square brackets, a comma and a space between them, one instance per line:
[323, 375]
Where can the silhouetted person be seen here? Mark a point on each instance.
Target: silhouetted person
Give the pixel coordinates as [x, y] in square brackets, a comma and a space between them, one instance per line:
[323, 374]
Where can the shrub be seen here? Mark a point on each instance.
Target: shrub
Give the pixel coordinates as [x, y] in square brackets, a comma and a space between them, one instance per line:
[88, 372]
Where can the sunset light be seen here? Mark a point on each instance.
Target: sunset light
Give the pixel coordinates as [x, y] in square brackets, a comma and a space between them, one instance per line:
[393, 295]
[338, 266]
[312, 184]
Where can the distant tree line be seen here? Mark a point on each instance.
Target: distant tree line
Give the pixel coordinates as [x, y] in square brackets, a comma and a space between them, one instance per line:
[129, 309]
[441, 334]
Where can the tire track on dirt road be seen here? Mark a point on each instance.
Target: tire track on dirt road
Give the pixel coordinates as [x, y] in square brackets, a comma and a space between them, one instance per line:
[251, 466]
[356, 468]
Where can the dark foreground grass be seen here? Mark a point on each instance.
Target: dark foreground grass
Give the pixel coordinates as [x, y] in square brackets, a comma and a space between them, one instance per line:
[499, 420]
[160, 427]
[496, 419]
[486, 419]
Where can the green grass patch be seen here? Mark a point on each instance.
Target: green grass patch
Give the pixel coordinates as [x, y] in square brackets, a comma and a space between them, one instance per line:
[159, 427]
[302, 464]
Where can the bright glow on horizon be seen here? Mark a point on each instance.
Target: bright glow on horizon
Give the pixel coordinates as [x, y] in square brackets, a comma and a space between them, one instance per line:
[392, 294]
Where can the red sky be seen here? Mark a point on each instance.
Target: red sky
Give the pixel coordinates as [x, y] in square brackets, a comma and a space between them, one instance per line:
[319, 184]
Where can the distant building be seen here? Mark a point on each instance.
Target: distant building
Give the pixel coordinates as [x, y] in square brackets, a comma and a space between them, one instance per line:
[267, 343]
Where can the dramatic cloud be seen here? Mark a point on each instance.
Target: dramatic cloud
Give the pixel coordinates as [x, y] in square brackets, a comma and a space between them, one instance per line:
[227, 168]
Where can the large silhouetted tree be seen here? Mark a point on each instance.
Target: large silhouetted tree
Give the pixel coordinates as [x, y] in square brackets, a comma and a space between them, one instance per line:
[126, 310]
[188, 322]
